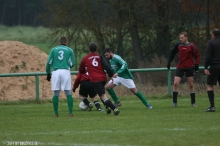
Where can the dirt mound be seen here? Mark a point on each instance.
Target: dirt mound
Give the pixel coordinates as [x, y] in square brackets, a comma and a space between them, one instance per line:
[17, 57]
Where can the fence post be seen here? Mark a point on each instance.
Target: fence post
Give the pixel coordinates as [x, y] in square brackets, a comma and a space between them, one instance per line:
[37, 86]
[169, 82]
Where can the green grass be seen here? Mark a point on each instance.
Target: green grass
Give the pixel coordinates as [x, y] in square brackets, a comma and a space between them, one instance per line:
[134, 126]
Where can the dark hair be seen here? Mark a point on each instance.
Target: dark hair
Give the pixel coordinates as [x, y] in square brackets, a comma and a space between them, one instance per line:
[107, 50]
[184, 33]
[216, 32]
[63, 40]
[93, 47]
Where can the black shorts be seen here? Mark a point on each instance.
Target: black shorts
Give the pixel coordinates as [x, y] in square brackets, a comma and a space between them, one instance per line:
[190, 72]
[214, 77]
[86, 88]
[99, 87]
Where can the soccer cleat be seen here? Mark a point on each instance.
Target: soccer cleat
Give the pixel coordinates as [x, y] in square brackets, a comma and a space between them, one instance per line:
[117, 104]
[174, 104]
[194, 105]
[210, 109]
[90, 107]
[71, 115]
[108, 110]
[116, 111]
[149, 106]
[100, 109]
[56, 115]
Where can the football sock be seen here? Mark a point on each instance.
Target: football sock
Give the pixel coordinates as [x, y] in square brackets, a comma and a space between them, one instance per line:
[85, 100]
[175, 93]
[55, 104]
[70, 103]
[97, 105]
[193, 97]
[113, 95]
[142, 98]
[104, 104]
[211, 98]
[108, 103]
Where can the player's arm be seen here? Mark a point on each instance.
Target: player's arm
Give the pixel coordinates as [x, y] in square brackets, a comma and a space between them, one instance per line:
[173, 52]
[123, 65]
[82, 69]
[71, 61]
[208, 56]
[49, 63]
[77, 81]
[106, 66]
[196, 55]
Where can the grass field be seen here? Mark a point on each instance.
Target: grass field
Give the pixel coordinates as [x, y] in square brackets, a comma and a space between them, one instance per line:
[134, 126]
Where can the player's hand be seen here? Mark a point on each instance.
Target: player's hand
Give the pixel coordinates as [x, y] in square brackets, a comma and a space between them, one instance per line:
[115, 75]
[74, 89]
[48, 77]
[168, 66]
[207, 72]
[196, 67]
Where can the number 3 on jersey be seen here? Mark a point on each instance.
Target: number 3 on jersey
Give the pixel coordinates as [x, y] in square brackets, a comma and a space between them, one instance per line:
[94, 62]
[61, 55]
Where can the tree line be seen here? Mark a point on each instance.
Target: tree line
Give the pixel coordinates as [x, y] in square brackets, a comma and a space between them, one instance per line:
[135, 29]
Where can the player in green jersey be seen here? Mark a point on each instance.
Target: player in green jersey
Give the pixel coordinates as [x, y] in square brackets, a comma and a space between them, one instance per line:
[60, 60]
[123, 76]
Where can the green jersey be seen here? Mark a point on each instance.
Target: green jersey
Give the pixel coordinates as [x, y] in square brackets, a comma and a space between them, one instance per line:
[121, 67]
[61, 57]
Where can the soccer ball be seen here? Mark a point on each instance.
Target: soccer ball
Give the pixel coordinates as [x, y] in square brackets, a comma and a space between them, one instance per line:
[83, 106]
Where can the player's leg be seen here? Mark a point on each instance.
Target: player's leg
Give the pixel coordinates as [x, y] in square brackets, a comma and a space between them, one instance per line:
[55, 101]
[211, 81]
[55, 84]
[175, 89]
[177, 79]
[66, 86]
[109, 87]
[83, 92]
[190, 74]
[129, 83]
[69, 101]
[100, 90]
[96, 103]
[191, 88]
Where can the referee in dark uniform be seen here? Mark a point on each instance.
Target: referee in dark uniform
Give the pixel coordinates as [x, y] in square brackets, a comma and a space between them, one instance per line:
[212, 60]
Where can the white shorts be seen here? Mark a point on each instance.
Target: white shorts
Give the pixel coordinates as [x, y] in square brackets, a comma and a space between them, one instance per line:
[129, 83]
[61, 80]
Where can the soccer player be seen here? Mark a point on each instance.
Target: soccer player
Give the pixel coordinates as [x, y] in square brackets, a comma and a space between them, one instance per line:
[96, 66]
[123, 76]
[212, 59]
[189, 59]
[86, 89]
[61, 59]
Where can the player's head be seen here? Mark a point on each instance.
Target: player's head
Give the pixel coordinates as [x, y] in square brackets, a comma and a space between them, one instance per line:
[215, 33]
[63, 40]
[183, 37]
[108, 53]
[93, 47]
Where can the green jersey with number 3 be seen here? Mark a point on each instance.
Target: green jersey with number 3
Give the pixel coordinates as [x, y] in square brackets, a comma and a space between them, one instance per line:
[61, 57]
[121, 67]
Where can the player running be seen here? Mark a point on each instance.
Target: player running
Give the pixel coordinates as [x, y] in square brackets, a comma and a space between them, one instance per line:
[123, 76]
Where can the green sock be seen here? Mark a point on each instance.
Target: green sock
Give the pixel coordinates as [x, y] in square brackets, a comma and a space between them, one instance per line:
[141, 97]
[70, 103]
[55, 104]
[113, 95]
